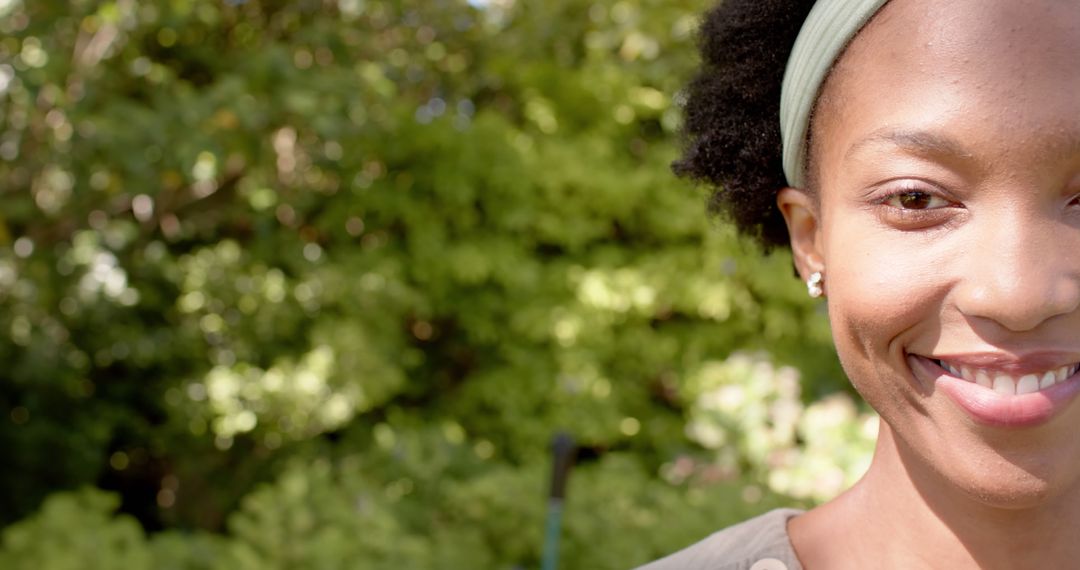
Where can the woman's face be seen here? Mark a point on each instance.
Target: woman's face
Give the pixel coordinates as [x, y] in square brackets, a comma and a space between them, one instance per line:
[947, 149]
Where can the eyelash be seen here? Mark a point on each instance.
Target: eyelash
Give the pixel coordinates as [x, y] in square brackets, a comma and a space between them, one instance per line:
[915, 195]
[940, 212]
[914, 218]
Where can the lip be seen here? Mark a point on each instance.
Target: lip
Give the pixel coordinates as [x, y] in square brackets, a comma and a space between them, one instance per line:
[1028, 363]
[992, 409]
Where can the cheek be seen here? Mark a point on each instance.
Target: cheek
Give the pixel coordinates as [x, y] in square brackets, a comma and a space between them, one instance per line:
[884, 293]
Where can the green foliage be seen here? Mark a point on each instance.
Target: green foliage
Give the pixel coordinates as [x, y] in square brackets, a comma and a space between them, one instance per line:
[73, 529]
[312, 284]
[324, 515]
[750, 412]
[80, 529]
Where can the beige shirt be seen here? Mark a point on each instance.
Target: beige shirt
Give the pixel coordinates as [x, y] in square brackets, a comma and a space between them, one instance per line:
[761, 543]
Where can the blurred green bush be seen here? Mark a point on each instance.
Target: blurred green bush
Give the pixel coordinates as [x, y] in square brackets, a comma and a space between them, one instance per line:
[312, 284]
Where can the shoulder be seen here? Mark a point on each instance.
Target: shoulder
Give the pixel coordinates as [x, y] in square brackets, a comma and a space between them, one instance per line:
[745, 546]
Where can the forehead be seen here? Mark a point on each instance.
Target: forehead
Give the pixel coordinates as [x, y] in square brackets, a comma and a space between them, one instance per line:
[984, 70]
[963, 36]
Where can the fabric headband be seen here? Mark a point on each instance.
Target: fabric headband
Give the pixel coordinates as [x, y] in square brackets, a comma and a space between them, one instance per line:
[826, 32]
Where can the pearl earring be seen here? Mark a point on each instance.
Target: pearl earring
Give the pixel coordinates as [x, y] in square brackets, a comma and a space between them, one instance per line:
[813, 285]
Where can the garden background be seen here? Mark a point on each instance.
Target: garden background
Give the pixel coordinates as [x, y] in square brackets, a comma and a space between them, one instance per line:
[313, 284]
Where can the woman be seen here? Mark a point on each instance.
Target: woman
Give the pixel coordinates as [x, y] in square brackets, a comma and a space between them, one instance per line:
[928, 184]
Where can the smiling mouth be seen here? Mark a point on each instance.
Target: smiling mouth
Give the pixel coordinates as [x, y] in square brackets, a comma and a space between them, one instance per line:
[1008, 384]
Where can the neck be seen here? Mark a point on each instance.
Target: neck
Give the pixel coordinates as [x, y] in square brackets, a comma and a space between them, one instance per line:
[902, 515]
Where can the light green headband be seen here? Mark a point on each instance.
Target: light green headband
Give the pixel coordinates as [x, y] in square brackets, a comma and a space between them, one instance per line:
[826, 32]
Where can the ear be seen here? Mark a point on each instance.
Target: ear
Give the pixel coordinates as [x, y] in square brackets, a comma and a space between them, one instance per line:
[802, 216]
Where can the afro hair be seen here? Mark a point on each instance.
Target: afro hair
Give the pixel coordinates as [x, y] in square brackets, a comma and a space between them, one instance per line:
[731, 128]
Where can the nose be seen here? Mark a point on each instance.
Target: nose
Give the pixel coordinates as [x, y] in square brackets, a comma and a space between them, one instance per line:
[1020, 272]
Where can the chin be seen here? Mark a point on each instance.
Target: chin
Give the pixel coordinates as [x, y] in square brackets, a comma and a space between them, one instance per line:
[1016, 491]
[1014, 483]
[986, 469]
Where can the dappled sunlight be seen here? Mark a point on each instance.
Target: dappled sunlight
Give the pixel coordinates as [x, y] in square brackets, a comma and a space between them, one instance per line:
[752, 413]
[297, 285]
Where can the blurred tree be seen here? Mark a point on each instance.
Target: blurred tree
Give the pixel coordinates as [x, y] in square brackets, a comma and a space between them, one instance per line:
[322, 277]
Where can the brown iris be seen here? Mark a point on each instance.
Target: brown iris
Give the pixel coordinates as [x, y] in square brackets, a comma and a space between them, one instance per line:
[914, 200]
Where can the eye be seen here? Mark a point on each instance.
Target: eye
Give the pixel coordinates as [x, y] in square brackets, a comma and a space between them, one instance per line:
[916, 200]
[912, 204]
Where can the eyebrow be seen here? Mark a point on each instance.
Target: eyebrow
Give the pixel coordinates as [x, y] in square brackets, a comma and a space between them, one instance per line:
[922, 143]
[931, 144]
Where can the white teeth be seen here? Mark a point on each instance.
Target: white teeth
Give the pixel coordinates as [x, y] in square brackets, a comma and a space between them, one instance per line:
[1008, 385]
[1004, 385]
[1027, 384]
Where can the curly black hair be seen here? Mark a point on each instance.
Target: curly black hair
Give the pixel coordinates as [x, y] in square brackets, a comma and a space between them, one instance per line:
[731, 109]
